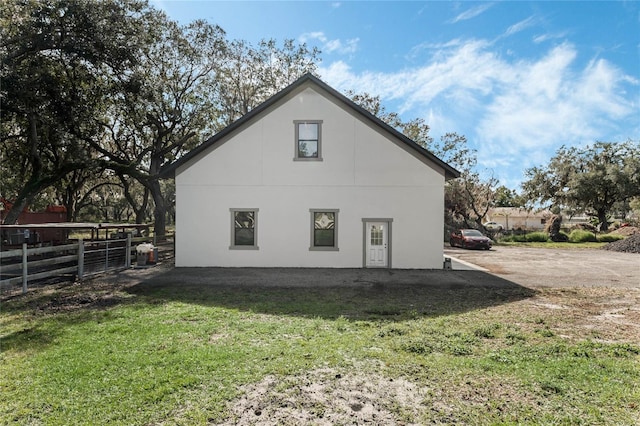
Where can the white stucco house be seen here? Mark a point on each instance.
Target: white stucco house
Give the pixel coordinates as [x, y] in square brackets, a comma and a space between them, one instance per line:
[309, 179]
[519, 218]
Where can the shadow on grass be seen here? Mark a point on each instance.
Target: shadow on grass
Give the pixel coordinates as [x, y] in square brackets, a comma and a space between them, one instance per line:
[355, 294]
[46, 313]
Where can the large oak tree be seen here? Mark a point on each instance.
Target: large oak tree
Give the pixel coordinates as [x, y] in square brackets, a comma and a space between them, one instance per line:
[593, 179]
[168, 114]
[61, 63]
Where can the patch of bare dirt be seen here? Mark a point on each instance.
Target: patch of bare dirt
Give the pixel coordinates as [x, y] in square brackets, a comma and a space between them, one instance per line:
[626, 231]
[606, 314]
[99, 292]
[327, 397]
[71, 302]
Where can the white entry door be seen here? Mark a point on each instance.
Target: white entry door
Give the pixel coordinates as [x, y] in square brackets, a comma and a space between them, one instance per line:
[377, 250]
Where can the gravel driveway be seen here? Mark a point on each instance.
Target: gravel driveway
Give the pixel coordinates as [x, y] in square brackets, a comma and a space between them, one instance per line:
[542, 267]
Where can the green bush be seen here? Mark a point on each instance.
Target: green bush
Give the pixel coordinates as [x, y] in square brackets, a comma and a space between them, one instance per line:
[581, 236]
[609, 238]
[537, 237]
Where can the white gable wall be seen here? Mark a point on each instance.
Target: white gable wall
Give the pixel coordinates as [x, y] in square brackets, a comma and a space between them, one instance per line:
[363, 174]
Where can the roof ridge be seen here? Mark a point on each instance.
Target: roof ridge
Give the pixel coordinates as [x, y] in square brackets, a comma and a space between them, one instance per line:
[169, 170]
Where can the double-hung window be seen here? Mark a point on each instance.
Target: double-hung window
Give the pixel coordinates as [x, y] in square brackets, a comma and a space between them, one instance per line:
[244, 229]
[324, 229]
[308, 140]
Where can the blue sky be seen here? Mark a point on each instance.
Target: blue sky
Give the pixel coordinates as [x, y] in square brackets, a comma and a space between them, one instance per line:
[519, 79]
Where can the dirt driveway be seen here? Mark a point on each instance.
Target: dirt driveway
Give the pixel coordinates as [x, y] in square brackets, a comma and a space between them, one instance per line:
[542, 267]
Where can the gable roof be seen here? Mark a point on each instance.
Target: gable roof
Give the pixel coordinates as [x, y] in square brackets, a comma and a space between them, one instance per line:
[169, 170]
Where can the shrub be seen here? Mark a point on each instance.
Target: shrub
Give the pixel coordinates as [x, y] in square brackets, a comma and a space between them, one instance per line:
[541, 237]
[520, 238]
[580, 236]
[537, 237]
[609, 238]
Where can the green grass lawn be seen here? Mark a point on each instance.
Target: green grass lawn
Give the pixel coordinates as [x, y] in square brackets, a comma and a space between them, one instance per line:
[177, 354]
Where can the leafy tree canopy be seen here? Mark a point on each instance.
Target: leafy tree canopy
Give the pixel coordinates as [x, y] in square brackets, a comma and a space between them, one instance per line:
[593, 178]
[61, 61]
[104, 93]
[505, 197]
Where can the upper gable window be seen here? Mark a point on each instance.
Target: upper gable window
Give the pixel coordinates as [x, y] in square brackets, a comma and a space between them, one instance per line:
[308, 140]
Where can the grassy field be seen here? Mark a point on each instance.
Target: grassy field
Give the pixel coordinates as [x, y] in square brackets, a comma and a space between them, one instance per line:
[103, 353]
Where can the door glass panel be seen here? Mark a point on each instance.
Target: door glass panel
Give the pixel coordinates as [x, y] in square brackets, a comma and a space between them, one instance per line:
[376, 235]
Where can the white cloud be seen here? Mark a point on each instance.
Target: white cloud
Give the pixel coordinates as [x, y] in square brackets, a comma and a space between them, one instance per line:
[472, 13]
[548, 104]
[521, 26]
[331, 46]
[515, 112]
[549, 36]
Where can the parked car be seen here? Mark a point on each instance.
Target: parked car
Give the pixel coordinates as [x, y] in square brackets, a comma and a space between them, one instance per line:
[469, 238]
[493, 226]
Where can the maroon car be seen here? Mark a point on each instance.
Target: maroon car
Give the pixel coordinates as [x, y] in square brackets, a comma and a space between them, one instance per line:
[469, 238]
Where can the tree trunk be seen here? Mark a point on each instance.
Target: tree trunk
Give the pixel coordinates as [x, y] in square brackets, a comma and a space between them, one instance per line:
[160, 206]
[14, 213]
[160, 209]
[31, 186]
[69, 203]
[141, 213]
[602, 218]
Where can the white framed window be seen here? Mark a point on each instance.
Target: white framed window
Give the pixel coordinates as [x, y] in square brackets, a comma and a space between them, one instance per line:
[308, 140]
[324, 229]
[244, 229]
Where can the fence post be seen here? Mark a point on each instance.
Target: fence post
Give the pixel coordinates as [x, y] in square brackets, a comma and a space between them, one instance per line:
[128, 253]
[106, 255]
[80, 259]
[24, 268]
